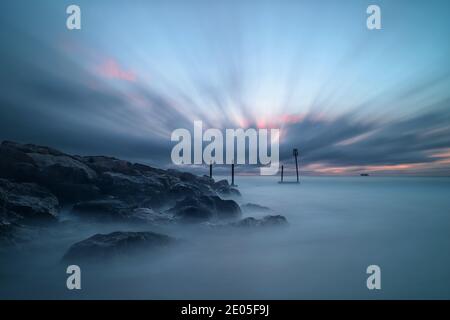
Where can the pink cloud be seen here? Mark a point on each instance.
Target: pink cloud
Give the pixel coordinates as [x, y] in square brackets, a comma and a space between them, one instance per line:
[111, 69]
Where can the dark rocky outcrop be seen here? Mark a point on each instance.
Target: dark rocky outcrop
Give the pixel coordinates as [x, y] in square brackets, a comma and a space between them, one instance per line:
[78, 178]
[222, 187]
[267, 221]
[104, 246]
[114, 210]
[255, 208]
[204, 208]
[103, 210]
[8, 234]
[36, 180]
[27, 203]
[64, 175]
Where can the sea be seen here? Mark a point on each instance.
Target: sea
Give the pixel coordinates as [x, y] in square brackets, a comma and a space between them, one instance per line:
[338, 227]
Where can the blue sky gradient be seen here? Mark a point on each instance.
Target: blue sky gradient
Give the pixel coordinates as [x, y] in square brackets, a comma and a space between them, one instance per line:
[349, 98]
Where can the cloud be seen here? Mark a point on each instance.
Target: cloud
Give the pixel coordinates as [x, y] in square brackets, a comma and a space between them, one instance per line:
[348, 143]
[111, 69]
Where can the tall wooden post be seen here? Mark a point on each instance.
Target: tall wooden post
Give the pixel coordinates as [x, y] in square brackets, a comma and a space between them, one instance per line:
[282, 171]
[295, 151]
[210, 170]
[232, 174]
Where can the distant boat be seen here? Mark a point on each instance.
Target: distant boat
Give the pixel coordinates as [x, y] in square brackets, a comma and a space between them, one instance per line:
[364, 174]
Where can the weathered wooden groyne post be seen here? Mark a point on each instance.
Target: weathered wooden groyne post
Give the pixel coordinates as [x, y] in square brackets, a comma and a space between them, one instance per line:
[210, 170]
[295, 151]
[232, 175]
[282, 171]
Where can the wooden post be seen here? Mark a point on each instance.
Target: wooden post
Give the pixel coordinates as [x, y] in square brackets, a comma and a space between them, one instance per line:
[210, 170]
[282, 169]
[295, 151]
[232, 174]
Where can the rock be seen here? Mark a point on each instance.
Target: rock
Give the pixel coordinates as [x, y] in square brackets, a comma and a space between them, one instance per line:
[15, 164]
[104, 246]
[114, 210]
[103, 210]
[223, 188]
[204, 208]
[63, 174]
[133, 189]
[7, 234]
[101, 164]
[27, 203]
[62, 168]
[150, 216]
[267, 221]
[255, 208]
[75, 179]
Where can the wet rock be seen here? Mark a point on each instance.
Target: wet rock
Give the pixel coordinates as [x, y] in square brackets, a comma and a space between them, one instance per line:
[204, 208]
[130, 188]
[267, 221]
[255, 208]
[150, 216]
[7, 234]
[63, 174]
[27, 203]
[222, 187]
[101, 164]
[74, 179]
[103, 246]
[103, 210]
[115, 210]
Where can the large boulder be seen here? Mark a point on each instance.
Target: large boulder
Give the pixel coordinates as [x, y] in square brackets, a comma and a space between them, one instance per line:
[80, 178]
[27, 203]
[101, 164]
[204, 208]
[223, 188]
[67, 177]
[131, 188]
[103, 210]
[104, 246]
[115, 210]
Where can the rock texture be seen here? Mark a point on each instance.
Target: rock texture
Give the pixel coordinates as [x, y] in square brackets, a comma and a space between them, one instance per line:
[36, 180]
[101, 246]
[267, 221]
[106, 188]
[204, 208]
[255, 208]
[27, 203]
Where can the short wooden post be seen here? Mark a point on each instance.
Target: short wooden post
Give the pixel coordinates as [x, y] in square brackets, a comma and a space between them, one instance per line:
[210, 170]
[282, 171]
[232, 174]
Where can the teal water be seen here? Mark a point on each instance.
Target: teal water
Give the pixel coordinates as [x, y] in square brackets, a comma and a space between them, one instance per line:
[338, 227]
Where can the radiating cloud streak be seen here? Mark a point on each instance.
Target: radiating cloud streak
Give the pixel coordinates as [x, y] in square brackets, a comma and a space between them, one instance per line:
[135, 72]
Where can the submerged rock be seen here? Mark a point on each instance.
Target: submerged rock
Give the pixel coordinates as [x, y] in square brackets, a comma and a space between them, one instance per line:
[101, 246]
[267, 221]
[255, 208]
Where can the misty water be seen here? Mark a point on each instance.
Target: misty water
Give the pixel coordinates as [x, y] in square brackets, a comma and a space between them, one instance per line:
[337, 227]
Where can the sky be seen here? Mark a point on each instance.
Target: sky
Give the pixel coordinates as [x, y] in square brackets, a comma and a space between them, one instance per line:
[350, 99]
